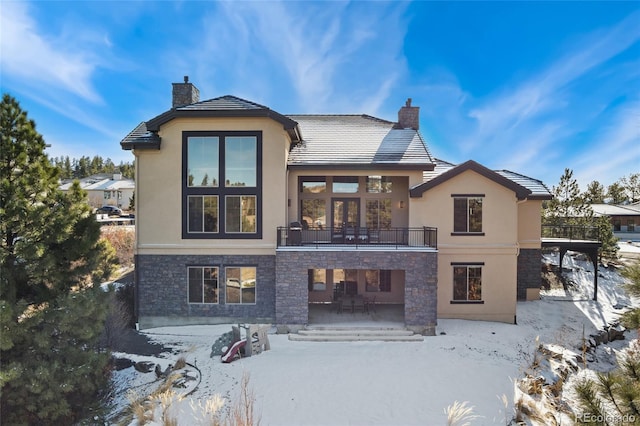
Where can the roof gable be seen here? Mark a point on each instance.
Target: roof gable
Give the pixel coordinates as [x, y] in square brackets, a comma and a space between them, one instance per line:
[520, 191]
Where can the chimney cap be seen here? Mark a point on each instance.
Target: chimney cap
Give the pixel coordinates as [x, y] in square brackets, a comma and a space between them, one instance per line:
[186, 78]
[408, 102]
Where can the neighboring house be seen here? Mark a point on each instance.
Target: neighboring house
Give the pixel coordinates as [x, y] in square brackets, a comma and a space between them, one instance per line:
[245, 214]
[625, 219]
[105, 189]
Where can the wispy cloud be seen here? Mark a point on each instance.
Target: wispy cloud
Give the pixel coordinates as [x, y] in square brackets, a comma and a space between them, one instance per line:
[315, 55]
[40, 59]
[546, 115]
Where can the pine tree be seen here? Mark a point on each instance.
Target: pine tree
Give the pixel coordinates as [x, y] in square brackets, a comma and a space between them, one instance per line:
[569, 207]
[594, 193]
[631, 319]
[615, 193]
[50, 253]
[631, 185]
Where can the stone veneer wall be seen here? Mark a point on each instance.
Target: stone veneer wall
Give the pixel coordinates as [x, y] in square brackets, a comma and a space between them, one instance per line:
[529, 274]
[162, 291]
[421, 276]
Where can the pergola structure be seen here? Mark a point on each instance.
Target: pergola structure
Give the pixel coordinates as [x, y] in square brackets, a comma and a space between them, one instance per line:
[575, 238]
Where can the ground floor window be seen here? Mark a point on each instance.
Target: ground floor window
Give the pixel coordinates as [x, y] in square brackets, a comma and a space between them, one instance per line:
[631, 227]
[317, 279]
[345, 281]
[467, 282]
[377, 280]
[240, 285]
[203, 284]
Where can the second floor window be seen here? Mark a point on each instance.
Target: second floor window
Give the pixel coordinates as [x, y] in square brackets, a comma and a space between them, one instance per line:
[467, 214]
[222, 184]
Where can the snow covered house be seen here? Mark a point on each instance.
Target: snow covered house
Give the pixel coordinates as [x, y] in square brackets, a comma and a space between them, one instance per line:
[245, 214]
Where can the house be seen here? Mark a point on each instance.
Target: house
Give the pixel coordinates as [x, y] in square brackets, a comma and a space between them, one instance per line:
[105, 189]
[245, 214]
[625, 219]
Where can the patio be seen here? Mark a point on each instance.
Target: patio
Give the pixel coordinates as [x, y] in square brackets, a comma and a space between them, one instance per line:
[384, 315]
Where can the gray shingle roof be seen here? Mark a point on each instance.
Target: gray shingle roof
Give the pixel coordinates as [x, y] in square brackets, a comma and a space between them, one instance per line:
[537, 188]
[141, 138]
[357, 140]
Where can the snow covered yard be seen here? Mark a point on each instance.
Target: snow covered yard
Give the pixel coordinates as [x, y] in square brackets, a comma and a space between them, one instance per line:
[388, 383]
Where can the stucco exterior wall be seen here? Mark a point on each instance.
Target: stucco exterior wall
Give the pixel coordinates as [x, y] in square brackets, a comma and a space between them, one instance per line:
[497, 248]
[159, 189]
[499, 283]
[530, 224]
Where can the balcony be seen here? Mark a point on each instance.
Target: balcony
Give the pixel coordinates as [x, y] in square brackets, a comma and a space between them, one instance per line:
[571, 232]
[352, 237]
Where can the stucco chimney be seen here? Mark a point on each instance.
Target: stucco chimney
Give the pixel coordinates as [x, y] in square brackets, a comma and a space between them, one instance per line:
[185, 93]
[409, 116]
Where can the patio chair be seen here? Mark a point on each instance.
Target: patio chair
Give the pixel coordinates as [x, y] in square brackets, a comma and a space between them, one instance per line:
[370, 304]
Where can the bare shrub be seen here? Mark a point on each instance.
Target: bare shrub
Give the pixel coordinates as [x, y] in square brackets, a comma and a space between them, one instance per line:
[117, 323]
[122, 239]
[459, 414]
[180, 363]
[242, 412]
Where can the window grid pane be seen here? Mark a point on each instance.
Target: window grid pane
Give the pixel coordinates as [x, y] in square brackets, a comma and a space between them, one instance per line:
[202, 285]
[240, 161]
[202, 161]
[459, 215]
[203, 214]
[241, 285]
[467, 283]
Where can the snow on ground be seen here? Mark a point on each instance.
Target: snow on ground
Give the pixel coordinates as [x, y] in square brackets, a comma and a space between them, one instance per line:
[389, 383]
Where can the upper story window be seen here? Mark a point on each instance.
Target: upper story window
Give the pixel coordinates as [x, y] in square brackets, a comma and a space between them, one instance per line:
[313, 185]
[467, 214]
[345, 184]
[203, 161]
[222, 184]
[378, 184]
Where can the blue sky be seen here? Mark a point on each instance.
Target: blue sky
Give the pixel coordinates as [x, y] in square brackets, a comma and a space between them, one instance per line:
[532, 87]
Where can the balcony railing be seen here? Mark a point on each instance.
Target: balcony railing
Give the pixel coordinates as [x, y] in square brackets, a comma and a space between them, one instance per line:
[356, 237]
[571, 232]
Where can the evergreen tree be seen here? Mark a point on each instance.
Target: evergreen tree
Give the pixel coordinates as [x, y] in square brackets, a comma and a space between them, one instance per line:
[615, 193]
[631, 319]
[567, 207]
[631, 185]
[613, 397]
[49, 254]
[594, 193]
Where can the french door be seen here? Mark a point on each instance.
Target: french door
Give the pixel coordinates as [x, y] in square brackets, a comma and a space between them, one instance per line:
[345, 213]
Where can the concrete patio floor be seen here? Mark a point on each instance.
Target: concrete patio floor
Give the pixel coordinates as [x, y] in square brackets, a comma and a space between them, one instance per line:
[389, 316]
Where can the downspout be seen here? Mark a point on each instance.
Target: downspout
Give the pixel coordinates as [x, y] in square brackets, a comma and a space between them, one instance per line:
[136, 276]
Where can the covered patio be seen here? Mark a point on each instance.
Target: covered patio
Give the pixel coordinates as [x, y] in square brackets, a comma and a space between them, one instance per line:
[380, 315]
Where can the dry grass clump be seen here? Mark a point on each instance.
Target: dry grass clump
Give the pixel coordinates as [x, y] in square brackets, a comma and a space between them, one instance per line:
[157, 406]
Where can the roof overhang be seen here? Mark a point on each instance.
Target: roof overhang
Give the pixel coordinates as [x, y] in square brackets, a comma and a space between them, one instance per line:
[289, 125]
[361, 166]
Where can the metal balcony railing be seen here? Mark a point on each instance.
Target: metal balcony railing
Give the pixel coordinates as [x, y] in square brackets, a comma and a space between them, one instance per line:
[355, 237]
[571, 232]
